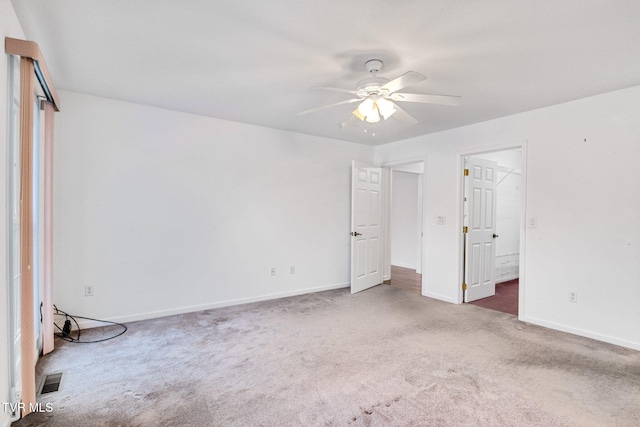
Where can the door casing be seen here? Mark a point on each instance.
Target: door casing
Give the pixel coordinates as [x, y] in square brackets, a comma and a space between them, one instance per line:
[386, 175]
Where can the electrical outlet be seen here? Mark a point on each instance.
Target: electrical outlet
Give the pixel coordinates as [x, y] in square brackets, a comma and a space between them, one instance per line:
[88, 291]
[573, 296]
[273, 271]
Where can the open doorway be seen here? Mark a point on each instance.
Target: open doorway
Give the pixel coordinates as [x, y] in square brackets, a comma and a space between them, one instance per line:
[406, 226]
[491, 260]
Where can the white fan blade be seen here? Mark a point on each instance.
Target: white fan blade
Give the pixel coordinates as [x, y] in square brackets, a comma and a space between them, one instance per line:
[351, 121]
[427, 99]
[403, 117]
[335, 89]
[313, 110]
[407, 79]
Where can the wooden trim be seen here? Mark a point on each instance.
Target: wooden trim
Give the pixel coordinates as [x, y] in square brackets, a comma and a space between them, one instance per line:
[31, 50]
[27, 329]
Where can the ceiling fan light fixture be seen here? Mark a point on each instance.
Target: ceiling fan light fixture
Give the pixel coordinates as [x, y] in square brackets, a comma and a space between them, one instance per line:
[372, 108]
[374, 117]
[385, 107]
[367, 111]
[366, 107]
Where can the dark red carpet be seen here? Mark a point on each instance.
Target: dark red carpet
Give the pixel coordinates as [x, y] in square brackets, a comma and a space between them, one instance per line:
[505, 299]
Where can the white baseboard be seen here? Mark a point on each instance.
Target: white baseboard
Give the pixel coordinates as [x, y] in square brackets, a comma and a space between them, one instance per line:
[403, 265]
[440, 297]
[87, 324]
[582, 333]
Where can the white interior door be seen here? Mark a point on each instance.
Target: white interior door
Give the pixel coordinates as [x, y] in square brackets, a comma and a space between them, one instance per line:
[366, 210]
[480, 248]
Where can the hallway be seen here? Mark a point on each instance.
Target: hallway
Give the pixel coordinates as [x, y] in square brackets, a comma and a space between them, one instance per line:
[405, 278]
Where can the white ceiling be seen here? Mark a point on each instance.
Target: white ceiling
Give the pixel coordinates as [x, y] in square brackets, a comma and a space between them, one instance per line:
[256, 61]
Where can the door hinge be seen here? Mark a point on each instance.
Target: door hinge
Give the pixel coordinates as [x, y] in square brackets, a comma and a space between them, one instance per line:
[465, 229]
[464, 286]
[466, 172]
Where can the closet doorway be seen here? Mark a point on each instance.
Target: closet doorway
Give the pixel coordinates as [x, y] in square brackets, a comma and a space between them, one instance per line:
[500, 270]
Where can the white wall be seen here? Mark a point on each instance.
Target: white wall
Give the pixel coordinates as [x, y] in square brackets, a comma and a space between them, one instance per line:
[581, 187]
[9, 27]
[404, 219]
[165, 212]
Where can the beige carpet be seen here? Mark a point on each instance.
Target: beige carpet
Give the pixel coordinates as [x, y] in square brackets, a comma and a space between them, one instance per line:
[383, 357]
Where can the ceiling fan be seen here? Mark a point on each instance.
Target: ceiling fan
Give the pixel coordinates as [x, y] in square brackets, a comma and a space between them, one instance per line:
[378, 96]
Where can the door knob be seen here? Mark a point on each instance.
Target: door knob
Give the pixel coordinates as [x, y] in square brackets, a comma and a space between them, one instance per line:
[495, 235]
[355, 234]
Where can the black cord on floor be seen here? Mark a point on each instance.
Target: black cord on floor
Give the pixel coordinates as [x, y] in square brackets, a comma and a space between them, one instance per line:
[65, 331]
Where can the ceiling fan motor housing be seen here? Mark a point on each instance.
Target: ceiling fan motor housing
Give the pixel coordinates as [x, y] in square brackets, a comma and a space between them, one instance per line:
[372, 86]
